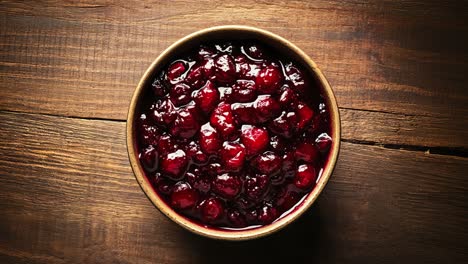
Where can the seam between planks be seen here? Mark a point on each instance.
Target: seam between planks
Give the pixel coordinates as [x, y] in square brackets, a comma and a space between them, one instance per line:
[441, 150]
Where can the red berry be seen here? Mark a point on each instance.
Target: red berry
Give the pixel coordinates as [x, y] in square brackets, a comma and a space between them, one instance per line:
[287, 97]
[227, 186]
[296, 77]
[269, 79]
[244, 113]
[244, 91]
[195, 77]
[266, 108]
[267, 163]
[323, 142]
[284, 125]
[255, 139]
[148, 133]
[149, 158]
[255, 187]
[236, 218]
[223, 120]
[225, 69]
[305, 176]
[180, 94]
[267, 214]
[211, 209]
[209, 139]
[207, 97]
[186, 124]
[307, 152]
[174, 164]
[165, 144]
[175, 71]
[232, 156]
[164, 112]
[163, 185]
[183, 196]
[304, 115]
[199, 182]
[194, 152]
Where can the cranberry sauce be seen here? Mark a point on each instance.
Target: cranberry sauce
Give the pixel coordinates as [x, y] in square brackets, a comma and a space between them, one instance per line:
[232, 136]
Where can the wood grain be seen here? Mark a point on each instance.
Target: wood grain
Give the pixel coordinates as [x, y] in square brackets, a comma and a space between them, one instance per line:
[84, 58]
[68, 195]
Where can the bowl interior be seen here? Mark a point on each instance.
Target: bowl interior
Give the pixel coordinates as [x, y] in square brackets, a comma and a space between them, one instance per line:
[276, 43]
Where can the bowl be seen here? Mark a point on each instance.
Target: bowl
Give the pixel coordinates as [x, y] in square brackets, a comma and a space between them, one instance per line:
[287, 49]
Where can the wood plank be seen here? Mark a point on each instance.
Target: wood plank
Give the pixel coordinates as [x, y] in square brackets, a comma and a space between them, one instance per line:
[84, 59]
[67, 195]
[423, 132]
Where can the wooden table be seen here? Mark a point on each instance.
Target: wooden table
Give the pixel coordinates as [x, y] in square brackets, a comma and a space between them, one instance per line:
[68, 70]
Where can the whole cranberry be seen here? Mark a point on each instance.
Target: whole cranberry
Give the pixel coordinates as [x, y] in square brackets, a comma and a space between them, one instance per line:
[251, 216]
[180, 94]
[225, 69]
[227, 185]
[232, 156]
[223, 120]
[255, 139]
[183, 196]
[211, 209]
[209, 139]
[201, 183]
[208, 68]
[185, 125]
[165, 144]
[307, 152]
[304, 115]
[164, 112]
[163, 185]
[267, 214]
[305, 176]
[244, 113]
[236, 218]
[244, 91]
[207, 97]
[266, 108]
[287, 97]
[148, 134]
[284, 125]
[175, 71]
[267, 163]
[296, 77]
[269, 79]
[195, 77]
[149, 158]
[323, 142]
[174, 164]
[195, 153]
[255, 187]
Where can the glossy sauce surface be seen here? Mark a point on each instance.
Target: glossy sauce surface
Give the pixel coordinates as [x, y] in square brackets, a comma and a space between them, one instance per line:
[232, 136]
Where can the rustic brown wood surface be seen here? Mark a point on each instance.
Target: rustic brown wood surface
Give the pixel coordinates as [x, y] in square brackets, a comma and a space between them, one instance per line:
[398, 194]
